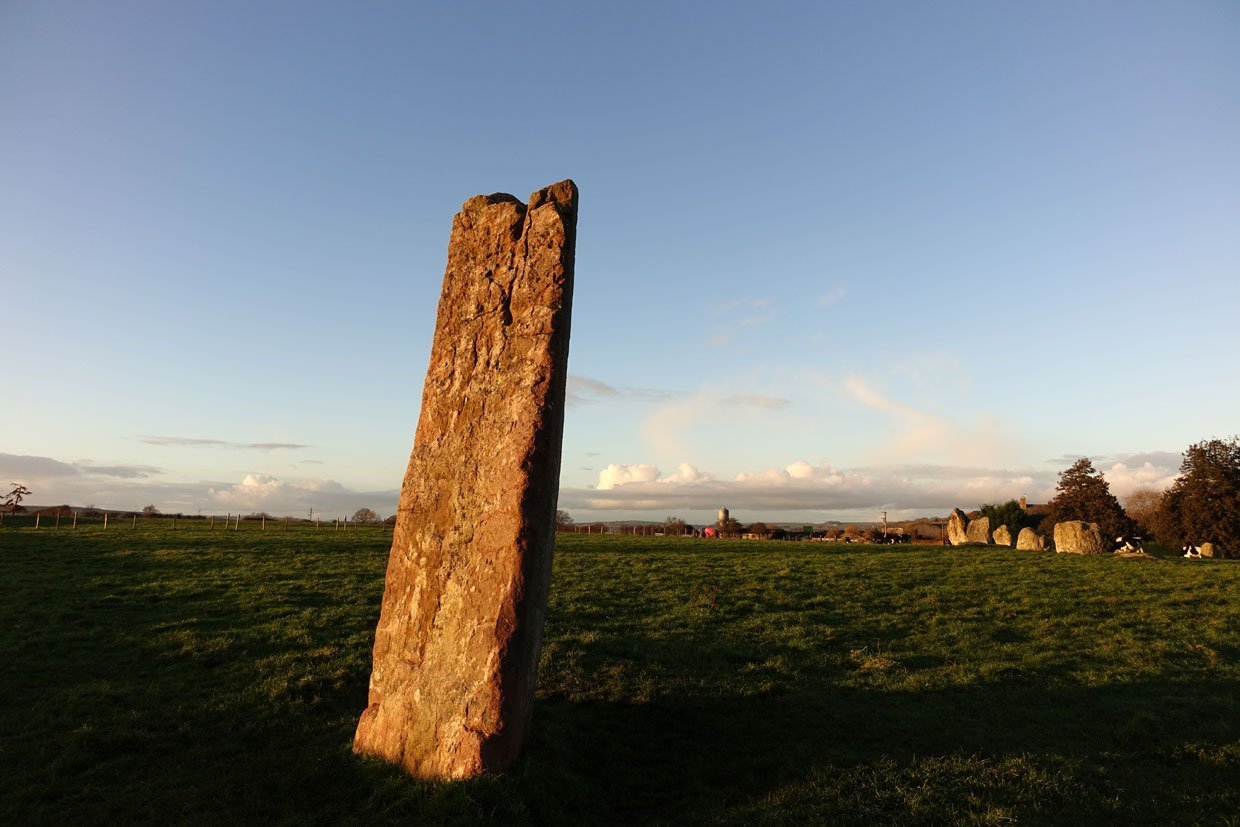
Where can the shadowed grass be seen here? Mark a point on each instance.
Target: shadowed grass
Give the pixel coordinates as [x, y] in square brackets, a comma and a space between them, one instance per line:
[203, 677]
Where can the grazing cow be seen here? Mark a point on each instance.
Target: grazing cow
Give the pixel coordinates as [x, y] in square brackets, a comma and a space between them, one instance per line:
[1192, 551]
[1127, 543]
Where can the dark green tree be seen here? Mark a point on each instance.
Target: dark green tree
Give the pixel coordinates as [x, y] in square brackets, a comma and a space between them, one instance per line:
[1203, 505]
[1083, 494]
[1009, 514]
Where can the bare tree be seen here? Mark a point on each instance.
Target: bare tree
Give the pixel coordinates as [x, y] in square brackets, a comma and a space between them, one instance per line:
[13, 500]
[365, 515]
[674, 526]
[1142, 506]
[563, 519]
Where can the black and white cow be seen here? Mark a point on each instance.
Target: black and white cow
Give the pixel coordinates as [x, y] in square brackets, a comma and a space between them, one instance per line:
[1191, 551]
[1128, 543]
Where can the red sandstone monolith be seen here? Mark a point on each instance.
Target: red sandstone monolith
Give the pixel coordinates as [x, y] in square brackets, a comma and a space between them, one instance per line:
[461, 622]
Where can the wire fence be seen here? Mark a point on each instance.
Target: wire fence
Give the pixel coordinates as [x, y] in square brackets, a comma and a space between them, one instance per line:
[218, 522]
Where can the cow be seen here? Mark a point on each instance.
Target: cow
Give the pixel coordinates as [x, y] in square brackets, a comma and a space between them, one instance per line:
[1128, 544]
[1191, 551]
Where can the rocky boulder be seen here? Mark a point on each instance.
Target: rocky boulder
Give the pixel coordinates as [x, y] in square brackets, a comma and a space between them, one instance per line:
[1030, 540]
[1076, 537]
[957, 528]
[979, 531]
[1002, 536]
[1207, 550]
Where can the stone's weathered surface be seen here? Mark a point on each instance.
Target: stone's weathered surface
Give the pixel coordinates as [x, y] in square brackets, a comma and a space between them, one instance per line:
[979, 531]
[1076, 537]
[1207, 549]
[1030, 540]
[957, 528]
[466, 590]
[1002, 536]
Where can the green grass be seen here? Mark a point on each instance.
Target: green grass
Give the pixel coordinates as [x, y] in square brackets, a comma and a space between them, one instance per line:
[208, 676]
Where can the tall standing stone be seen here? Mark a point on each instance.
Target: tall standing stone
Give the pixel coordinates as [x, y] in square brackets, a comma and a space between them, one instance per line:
[957, 527]
[1001, 536]
[461, 622]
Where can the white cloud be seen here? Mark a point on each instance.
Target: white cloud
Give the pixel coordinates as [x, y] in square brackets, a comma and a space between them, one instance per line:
[834, 295]
[1123, 480]
[614, 475]
[804, 487]
[129, 487]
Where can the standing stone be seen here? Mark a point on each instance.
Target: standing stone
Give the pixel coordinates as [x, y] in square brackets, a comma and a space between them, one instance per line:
[1076, 537]
[466, 590]
[1207, 549]
[1002, 536]
[979, 531]
[957, 528]
[1030, 540]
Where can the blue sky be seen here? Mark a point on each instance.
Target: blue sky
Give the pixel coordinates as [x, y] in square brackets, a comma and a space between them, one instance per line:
[832, 258]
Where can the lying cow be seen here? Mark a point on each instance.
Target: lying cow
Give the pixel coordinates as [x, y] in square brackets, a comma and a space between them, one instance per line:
[1127, 544]
[1191, 551]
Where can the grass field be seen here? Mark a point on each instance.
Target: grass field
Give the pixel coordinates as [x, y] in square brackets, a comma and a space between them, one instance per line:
[216, 677]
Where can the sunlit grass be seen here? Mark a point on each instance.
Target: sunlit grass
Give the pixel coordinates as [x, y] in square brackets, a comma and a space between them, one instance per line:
[208, 676]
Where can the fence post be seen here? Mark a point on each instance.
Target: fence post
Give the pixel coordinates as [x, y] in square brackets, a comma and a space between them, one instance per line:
[75, 519]
[135, 522]
[105, 521]
[264, 522]
[36, 521]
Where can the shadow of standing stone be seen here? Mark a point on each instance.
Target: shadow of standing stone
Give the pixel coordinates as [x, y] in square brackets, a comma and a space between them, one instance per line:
[465, 596]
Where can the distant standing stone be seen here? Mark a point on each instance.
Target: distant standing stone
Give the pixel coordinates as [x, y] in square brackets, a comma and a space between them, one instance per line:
[1030, 540]
[1207, 549]
[1002, 536]
[461, 622]
[1076, 537]
[979, 531]
[957, 528]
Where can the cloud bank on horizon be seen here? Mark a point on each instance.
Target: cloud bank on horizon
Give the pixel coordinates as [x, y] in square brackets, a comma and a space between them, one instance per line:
[799, 490]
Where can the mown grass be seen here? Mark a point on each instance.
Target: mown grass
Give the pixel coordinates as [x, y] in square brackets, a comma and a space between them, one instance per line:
[208, 677]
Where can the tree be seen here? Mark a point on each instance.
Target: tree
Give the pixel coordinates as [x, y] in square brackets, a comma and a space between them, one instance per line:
[13, 499]
[674, 526]
[150, 511]
[1203, 505]
[1009, 514]
[728, 527]
[1143, 506]
[1083, 494]
[759, 529]
[563, 519]
[365, 515]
